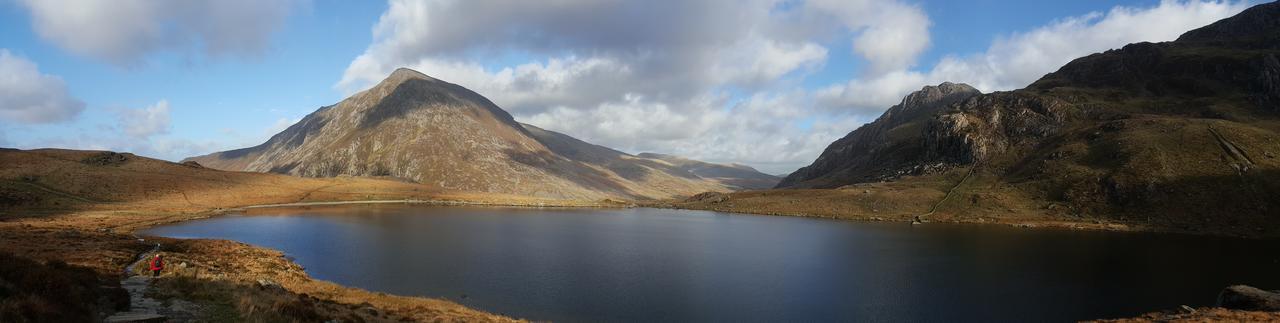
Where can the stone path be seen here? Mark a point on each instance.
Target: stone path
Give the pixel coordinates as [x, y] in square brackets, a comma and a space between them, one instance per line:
[145, 309]
[141, 308]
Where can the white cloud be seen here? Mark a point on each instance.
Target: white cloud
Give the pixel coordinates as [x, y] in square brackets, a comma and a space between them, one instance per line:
[145, 122]
[123, 32]
[29, 96]
[161, 147]
[695, 44]
[642, 76]
[891, 35]
[1016, 60]
[718, 79]
[1019, 59]
[144, 131]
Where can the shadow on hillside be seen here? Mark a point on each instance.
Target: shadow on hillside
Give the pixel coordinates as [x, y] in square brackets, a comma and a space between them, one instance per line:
[1245, 203]
[31, 291]
[572, 171]
[414, 94]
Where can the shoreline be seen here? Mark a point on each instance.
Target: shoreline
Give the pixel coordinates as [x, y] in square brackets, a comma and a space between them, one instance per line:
[301, 282]
[1112, 226]
[1021, 224]
[1015, 226]
[1029, 224]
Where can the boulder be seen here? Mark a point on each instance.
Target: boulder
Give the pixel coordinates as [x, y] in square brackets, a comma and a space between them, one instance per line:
[1241, 297]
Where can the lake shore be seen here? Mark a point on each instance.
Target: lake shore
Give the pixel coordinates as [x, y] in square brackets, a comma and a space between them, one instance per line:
[98, 240]
[912, 201]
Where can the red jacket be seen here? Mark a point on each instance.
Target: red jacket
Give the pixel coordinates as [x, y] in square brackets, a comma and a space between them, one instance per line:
[157, 263]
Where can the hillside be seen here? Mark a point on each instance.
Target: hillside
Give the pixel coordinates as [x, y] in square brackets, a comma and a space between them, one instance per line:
[736, 176]
[421, 129]
[76, 213]
[1181, 135]
[57, 181]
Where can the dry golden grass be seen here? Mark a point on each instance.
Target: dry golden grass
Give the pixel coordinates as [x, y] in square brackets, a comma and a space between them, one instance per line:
[247, 267]
[81, 207]
[1203, 314]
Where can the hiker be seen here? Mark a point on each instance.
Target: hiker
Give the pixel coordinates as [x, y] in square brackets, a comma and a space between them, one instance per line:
[157, 264]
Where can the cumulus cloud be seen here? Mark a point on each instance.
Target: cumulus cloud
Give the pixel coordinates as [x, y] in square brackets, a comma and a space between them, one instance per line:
[693, 45]
[1016, 60]
[639, 76]
[144, 131]
[891, 35]
[145, 122]
[29, 96]
[123, 32]
[719, 79]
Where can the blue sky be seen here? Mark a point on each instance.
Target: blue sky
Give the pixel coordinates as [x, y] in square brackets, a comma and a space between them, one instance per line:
[777, 115]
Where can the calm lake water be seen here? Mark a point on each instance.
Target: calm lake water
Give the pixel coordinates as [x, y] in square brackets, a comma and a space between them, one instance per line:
[672, 265]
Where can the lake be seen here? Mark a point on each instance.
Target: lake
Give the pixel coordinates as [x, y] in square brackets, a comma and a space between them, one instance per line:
[676, 265]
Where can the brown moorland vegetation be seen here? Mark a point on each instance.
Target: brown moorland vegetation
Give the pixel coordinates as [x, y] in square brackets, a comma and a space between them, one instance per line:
[79, 208]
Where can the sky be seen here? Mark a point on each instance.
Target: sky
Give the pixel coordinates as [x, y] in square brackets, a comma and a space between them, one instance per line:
[766, 83]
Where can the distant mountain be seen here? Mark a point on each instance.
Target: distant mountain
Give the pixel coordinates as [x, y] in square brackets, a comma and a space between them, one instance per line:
[417, 128]
[737, 176]
[1184, 133]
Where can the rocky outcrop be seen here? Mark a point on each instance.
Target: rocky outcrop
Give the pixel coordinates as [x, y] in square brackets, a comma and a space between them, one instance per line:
[983, 126]
[1266, 87]
[889, 147]
[106, 158]
[1242, 297]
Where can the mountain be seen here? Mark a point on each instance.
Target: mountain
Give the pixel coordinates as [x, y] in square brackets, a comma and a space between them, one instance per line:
[1182, 134]
[884, 148]
[417, 128]
[737, 176]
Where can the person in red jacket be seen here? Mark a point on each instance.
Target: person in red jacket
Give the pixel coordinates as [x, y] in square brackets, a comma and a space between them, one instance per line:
[157, 264]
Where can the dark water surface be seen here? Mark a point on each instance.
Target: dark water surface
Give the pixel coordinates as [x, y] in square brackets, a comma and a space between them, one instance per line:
[672, 265]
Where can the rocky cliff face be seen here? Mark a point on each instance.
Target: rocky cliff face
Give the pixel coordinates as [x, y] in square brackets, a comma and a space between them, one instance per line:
[892, 145]
[1185, 131]
[421, 129]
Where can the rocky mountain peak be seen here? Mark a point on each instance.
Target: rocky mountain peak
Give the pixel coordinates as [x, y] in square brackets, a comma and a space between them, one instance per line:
[405, 73]
[931, 93]
[407, 90]
[934, 92]
[873, 152]
[926, 101]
